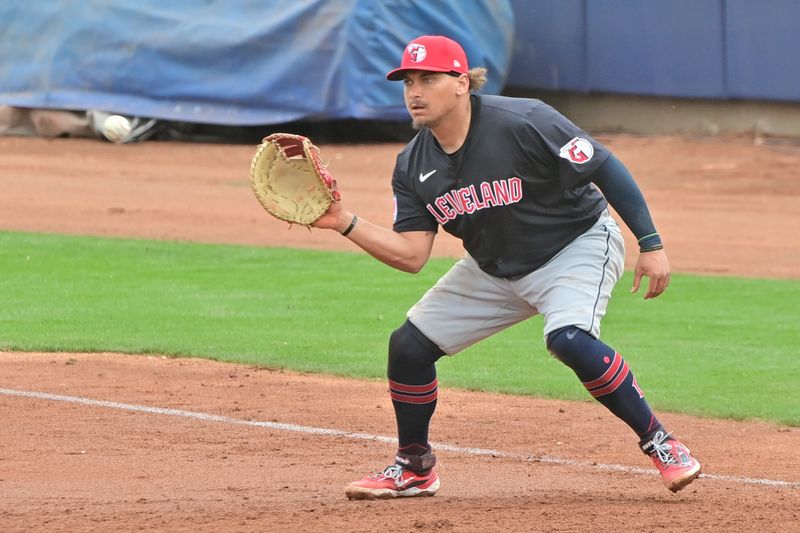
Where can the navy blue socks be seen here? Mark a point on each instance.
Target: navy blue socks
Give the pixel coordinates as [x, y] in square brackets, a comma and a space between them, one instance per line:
[606, 376]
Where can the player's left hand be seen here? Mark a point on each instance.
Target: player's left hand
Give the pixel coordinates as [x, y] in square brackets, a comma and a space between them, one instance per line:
[654, 265]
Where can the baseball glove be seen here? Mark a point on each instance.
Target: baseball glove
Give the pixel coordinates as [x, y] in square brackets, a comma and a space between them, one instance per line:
[290, 180]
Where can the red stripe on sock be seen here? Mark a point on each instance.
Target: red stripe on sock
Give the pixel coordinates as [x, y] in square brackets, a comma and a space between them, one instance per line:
[399, 387]
[614, 385]
[602, 380]
[651, 426]
[428, 398]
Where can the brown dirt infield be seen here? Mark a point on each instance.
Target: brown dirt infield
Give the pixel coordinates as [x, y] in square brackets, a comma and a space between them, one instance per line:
[725, 206]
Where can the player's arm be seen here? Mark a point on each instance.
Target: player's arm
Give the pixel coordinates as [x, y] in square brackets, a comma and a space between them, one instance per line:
[407, 251]
[624, 195]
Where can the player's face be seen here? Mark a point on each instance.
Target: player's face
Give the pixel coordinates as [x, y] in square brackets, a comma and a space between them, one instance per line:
[430, 97]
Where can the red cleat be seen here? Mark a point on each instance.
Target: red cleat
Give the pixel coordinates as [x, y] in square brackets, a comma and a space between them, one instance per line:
[674, 461]
[397, 480]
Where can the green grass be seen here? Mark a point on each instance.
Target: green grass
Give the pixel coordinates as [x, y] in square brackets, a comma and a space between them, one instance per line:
[714, 346]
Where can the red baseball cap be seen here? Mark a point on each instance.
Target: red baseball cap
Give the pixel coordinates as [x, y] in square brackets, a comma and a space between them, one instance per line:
[435, 53]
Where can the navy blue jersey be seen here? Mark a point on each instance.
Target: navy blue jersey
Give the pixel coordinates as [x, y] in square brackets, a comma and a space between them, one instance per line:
[516, 192]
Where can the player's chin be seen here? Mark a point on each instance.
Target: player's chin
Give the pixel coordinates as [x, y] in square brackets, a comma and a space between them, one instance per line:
[419, 122]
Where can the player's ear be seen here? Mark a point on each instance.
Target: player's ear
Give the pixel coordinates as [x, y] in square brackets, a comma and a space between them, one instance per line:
[463, 85]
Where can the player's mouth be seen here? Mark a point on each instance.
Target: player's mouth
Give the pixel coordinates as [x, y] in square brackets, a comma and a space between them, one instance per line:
[416, 106]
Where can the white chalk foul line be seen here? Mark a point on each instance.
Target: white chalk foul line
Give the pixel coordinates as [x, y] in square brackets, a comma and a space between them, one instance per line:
[439, 446]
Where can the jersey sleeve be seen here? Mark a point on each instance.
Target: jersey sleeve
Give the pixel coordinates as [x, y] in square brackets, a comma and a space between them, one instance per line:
[410, 214]
[576, 153]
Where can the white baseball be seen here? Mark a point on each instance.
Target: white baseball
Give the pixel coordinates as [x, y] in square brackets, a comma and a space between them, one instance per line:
[116, 128]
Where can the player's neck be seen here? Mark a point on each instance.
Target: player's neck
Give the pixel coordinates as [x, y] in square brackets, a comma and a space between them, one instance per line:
[452, 132]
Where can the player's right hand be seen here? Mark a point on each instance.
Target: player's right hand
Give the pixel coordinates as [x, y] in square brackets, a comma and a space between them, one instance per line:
[336, 217]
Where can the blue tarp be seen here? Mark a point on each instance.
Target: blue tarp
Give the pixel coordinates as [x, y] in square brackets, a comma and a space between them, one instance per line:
[234, 62]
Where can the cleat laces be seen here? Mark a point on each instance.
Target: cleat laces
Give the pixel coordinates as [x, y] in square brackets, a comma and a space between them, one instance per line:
[394, 472]
[662, 449]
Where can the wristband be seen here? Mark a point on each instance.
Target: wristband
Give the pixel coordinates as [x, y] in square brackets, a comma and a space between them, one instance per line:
[650, 243]
[352, 225]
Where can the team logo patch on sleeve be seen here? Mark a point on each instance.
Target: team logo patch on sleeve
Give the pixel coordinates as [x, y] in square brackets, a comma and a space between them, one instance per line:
[578, 150]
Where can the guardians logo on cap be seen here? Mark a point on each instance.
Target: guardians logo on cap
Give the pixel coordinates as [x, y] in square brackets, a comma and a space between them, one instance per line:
[433, 53]
[417, 52]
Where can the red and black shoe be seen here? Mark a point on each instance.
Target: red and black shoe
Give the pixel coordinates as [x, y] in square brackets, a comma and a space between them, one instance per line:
[408, 476]
[674, 461]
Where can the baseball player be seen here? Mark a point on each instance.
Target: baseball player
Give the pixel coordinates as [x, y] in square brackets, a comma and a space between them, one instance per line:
[521, 186]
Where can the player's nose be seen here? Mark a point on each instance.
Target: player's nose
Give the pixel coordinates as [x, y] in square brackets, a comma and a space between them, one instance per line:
[413, 90]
